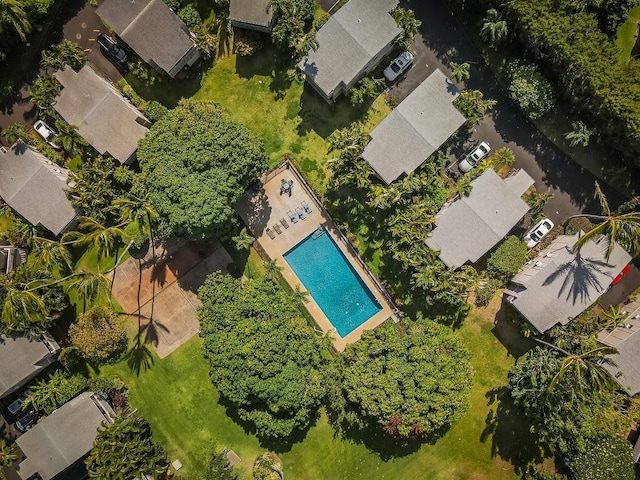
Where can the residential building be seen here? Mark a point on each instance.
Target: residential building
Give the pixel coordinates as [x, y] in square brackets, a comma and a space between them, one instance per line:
[103, 116]
[560, 283]
[63, 438]
[351, 44]
[11, 257]
[252, 15]
[35, 188]
[626, 340]
[22, 358]
[153, 31]
[469, 227]
[414, 129]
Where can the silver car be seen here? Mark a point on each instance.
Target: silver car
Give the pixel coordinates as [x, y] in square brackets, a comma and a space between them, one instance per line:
[400, 64]
[474, 158]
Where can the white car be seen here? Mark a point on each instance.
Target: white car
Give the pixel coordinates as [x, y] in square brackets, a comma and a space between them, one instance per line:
[46, 132]
[537, 233]
[474, 158]
[400, 64]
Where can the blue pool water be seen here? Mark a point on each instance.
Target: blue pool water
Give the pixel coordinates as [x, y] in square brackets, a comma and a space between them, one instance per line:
[332, 281]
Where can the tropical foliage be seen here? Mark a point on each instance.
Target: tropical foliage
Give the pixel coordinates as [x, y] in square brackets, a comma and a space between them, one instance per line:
[473, 105]
[408, 379]
[219, 469]
[99, 335]
[65, 53]
[531, 91]
[603, 459]
[494, 30]
[406, 20]
[264, 357]
[507, 260]
[44, 90]
[268, 467]
[125, 449]
[48, 395]
[365, 89]
[293, 33]
[196, 163]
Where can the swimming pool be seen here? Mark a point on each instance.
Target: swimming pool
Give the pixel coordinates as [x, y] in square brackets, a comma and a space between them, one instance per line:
[334, 284]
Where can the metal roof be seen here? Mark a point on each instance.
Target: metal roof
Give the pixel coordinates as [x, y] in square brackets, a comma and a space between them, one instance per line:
[254, 12]
[350, 39]
[103, 116]
[414, 129]
[559, 284]
[35, 188]
[469, 227]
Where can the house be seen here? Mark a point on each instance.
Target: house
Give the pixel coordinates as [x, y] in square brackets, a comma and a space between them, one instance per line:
[22, 358]
[252, 15]
[103, 116]
[63, 438]
[626, 363]
[153, 31]
[470, 226]
[351, 44]
[559, 284]
[11, 257]
[415, 129]
[35, 188]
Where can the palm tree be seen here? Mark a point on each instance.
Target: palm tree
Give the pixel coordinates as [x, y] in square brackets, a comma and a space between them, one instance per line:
[300, 296]
[243, 240]
[8, 453]
[585, 370]
[89, 286]
[21, 302]
[406, 20]
[66, 52]
[621, 226]
[579, 135]
[103, 238]
[503, 157]
[15, 132]
[11, 12]
[615, 316]
[272, 270]
[49, 254]
[309, 42]
[493, 29]
[140, 210]
[459, 71]
[69, 138]
[44, 90]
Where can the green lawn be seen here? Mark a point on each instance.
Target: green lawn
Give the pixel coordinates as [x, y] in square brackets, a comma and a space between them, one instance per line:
[625, 39]
[176, 396]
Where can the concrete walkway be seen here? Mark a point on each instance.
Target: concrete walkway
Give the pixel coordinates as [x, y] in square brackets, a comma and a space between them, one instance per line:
[443, 39]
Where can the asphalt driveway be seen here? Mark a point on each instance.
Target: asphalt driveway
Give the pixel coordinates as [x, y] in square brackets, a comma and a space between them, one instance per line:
[442, 39]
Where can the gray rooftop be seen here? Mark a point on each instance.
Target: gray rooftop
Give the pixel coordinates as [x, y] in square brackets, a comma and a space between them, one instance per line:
[414, 129]
[349, 40]
[255, 12]
[469, 227]
[149, 27]
[22, 358]
[103, 116]
[559, 284]
[35, 188]
[63, 438]
[625, 338]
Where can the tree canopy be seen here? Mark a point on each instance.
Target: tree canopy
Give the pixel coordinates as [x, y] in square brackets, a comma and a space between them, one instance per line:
[264, 357]
[99, 335]
[410, 379]
[196, 164]
[603, 459]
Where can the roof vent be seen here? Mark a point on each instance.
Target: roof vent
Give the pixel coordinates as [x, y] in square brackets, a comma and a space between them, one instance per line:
[627, 325]
[538, 264]
[635, 317]
[57, 170]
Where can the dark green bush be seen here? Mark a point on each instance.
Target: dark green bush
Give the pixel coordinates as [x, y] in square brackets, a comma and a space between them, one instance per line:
[71, 358]
[505, 262]
[190, 16]
[486, 289]
[154, 111]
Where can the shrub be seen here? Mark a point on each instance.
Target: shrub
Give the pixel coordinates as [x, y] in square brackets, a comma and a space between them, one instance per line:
[505, 262]
[366, 88]
[531, 91]
[99, 335]
[173, 4]
[576, 224]
[71, 358]
[604, 458]
[486, 289]
[154, 111]
[246, 43]
[56, 391]
[190, 16]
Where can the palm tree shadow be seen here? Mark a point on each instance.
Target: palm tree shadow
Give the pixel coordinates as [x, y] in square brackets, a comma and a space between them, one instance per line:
[580, 277]
[139, 357]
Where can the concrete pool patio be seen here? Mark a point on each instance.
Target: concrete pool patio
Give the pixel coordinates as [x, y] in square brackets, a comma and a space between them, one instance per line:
[263, 210]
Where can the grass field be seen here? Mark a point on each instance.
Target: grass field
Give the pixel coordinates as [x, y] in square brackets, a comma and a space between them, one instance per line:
[625, 38]
[188, 419]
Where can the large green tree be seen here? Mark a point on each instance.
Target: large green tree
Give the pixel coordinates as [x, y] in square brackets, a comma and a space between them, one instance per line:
[125, 449]
[408, 379]
[264, 357]
[99, 335]
[196, 163]
[12, 13]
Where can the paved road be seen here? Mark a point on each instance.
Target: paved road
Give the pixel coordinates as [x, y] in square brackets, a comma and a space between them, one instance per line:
[76, 21]
[442, 39]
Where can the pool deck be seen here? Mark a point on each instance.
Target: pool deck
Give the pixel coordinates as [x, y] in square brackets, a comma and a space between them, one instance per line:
[264, 208]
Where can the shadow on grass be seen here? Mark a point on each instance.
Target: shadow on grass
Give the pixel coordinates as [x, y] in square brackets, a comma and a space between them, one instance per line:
[276, 445]
[509, 431]
[508, 333]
